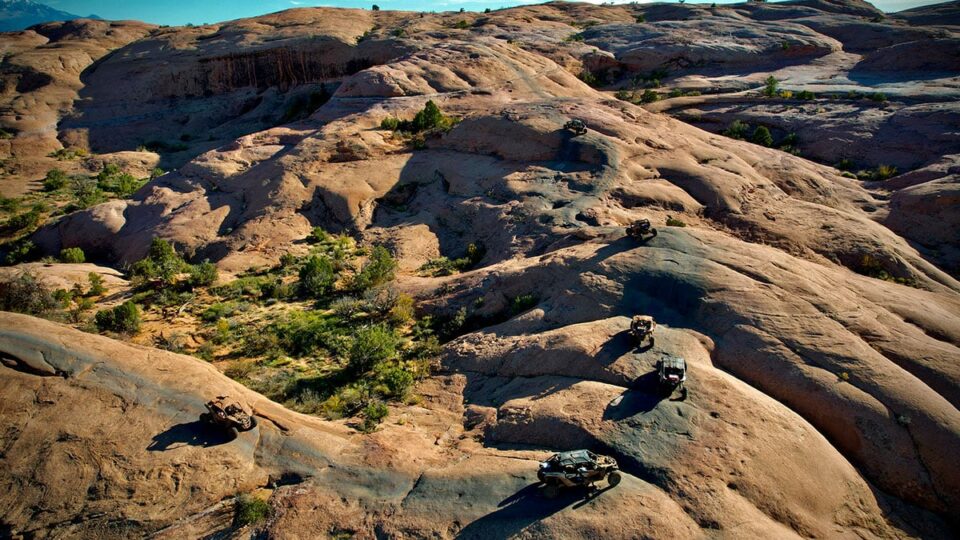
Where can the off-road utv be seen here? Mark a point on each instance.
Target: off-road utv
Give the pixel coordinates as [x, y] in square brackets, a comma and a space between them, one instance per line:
[641, 328]
[228, 415]
[672, 373]
[641, 230]
[577, 468]
[578, 127]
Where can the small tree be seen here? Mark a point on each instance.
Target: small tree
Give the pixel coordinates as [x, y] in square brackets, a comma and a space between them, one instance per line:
[762, 136]
[72, 255]
[373, 414]
[372, 345]
[379, 269]
[55, 179]
[375, 8]
[26, 294]
[203, 274]
[430, 117]
[771, 85]
[96, 284]
[161, 263]
[317, 276]
[737, 130]
[124, 319]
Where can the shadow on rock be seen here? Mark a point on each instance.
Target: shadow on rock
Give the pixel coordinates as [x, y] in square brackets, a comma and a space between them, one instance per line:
[194, 433]
[517, 512]
[645, 395]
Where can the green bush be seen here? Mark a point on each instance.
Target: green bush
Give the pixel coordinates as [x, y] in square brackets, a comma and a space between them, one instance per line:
[96, 284]
[879, 97]
[770, 86]
[761, 135]
[162, 263]
[26, 294]
[844, 164]
[640, 19]
[373, 414]
[72, 255]
[317, 276]
[26, 221]
[55, 180]
[429, 118]
[806, 95]
[672, 222]
[372, 345]
[124, 319]
[390, 123]
[402, 311]
[250, 510]
[203, 274]
[21, 252]
[737, 130]
[649, 96]
[523, 302]
[379, 269]
[395, 380]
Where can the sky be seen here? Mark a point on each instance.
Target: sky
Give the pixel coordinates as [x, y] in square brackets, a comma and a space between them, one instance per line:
[180, 12]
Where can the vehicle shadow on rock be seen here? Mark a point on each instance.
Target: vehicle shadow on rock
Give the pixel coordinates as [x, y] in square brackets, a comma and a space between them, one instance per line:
[518, 511]
[645, 395]
[194, 433]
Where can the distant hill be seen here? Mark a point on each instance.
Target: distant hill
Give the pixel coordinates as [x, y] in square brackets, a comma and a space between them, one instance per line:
[21, 14]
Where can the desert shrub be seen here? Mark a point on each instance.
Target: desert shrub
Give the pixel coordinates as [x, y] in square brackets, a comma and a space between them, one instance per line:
[770, 86]
[55, 180]
[462, 24]
[429, 118]
[879, 97]
[21, 252]
[9, 204]
[649, 96]
[737, 130]
[676, 92]
[250, 510]
[372, 345]
[640, 19]
[402, 311]
[72, 255]
[66, 154]
[124, 319]
[523, 302]
[317, 276]
[26, 294]
[203, 274]
[589, 78]
[114, 180]
[85, 192]
[373, 414]
[761, 135]
[6, 134]
[844, 165]
[347, 307]
[240, 370]
[26, 221]
[97, 287]
[375, 8]
[379, 269]
[806, 95]
[162, 264]
[390, 123]
[395, 380]
[673, 222]
[786, 94]
[574, 38]
[302, 333]
[882, 172]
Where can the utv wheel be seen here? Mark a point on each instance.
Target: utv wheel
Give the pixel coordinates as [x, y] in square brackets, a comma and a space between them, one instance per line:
[253, 424]
[205, 418]
[233, 432]
[541, 477]
[551, 491]
[614, 478]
